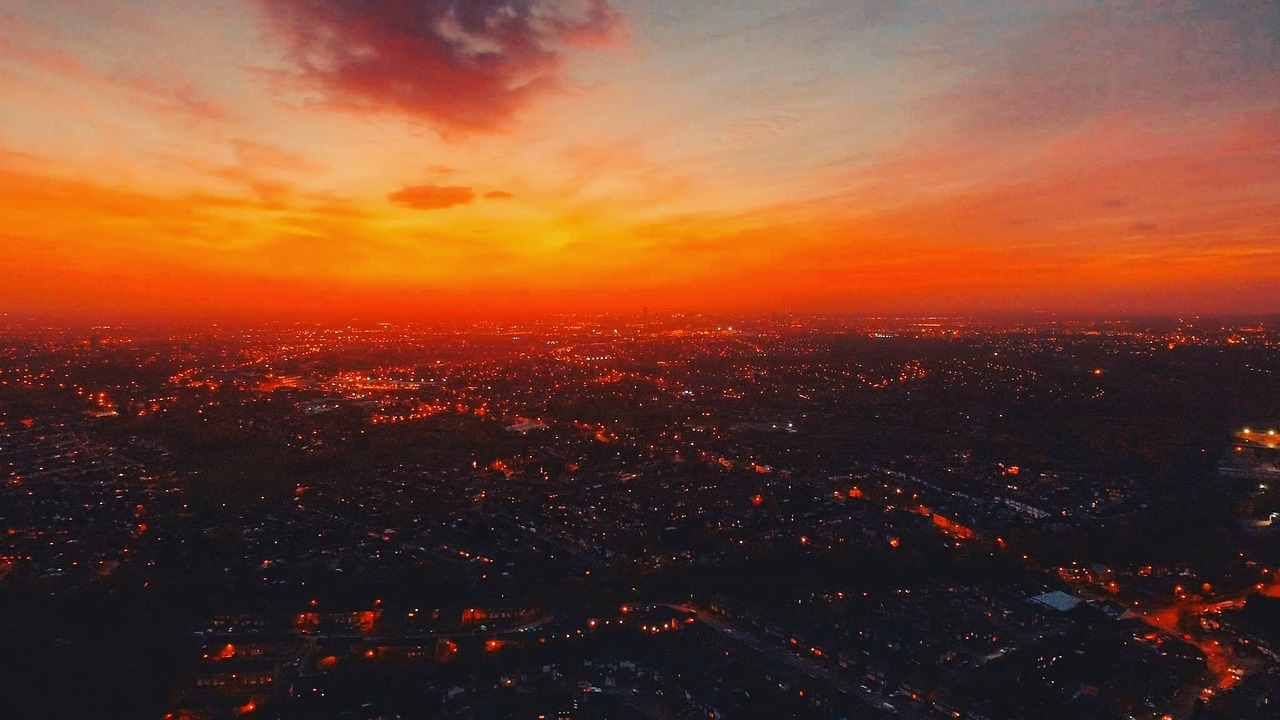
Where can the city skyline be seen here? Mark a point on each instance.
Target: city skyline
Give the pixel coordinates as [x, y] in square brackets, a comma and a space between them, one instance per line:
[588, 519]
[416, 158]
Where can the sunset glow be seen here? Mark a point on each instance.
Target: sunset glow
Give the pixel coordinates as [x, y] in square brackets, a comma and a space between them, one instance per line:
[414, 157]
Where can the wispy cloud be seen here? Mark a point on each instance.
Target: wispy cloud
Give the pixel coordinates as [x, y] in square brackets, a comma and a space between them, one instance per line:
[1135, 57]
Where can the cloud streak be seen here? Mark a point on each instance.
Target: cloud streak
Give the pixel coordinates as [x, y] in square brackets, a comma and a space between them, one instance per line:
[432, 197]
[463, 65]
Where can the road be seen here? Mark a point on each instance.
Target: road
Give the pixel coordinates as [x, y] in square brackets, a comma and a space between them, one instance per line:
[809, 668]
[645, 705]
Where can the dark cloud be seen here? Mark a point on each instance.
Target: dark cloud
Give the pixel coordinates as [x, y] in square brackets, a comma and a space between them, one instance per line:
[462, 64]
[499, 195]
[432, 197]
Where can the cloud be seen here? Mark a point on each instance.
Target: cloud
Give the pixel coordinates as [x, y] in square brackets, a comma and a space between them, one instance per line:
[254, 154]
[463, 65]
[171, 97]
[1150, 57]
[498, 195]
[184, 100]
[432, 197]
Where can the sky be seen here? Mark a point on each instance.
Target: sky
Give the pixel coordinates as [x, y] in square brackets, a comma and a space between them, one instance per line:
[454, 157]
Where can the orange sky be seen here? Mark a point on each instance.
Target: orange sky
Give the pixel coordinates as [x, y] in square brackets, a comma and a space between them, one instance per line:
[417, 157]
